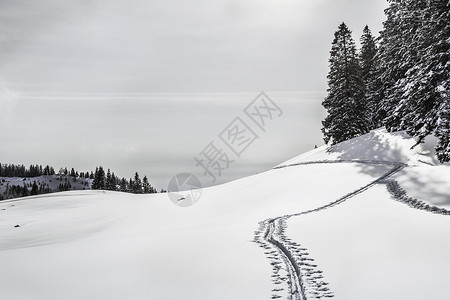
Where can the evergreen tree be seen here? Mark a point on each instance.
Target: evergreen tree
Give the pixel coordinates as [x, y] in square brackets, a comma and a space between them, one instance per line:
[389, 70]
[426, 84]
[34, 188]
[137, 184]
[369, 76]
[94, 185]
[99, 179]
[443, 133]
[24, 191]
[146, 185]
[415, 53]
[130, 186]
[345, 103]
[108, 180]
[406, 107]
[123, 185]
[113, 183]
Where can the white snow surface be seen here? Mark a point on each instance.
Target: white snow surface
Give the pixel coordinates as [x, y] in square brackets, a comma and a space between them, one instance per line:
[377, 145]
[111, 245]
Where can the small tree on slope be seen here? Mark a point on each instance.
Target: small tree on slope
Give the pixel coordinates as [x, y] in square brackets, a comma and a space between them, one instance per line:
[345, 102]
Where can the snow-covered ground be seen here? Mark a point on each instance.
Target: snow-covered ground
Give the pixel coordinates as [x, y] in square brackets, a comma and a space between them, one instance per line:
[368, 216]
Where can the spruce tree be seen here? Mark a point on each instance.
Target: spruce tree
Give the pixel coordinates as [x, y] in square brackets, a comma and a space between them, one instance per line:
[24, 191]
[443, 133]
[368, 64]
[34, 188]
[94, 185]
[404, 116]
[137, 184]
[367, 54]
[109, 185]
[113, 182]
[345, 103]
[130, 186]
[146, 185]
[439, 72]
[389, 70]
[123, 185]
[99, 179]
[415, 54]
[427, 82]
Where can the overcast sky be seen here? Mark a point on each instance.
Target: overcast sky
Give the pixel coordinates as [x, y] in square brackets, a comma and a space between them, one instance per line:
[111, 46]
[69, 60]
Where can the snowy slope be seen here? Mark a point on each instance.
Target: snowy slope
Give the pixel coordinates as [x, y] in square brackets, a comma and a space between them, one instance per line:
[48, 181]
[367, 216]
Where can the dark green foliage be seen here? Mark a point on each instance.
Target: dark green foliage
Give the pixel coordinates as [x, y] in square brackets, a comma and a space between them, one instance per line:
[64, 187]
[137, 184]
[345, 103]
[147, 188]
[34, 189]
[11, 170]
[25, 191]
[99, 179]
[368, 63]
[414, 67]
[111, 181]
[443, 133]
[123, 185]
[406, 79]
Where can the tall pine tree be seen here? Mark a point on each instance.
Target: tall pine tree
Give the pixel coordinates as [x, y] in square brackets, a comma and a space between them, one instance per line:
[415, 68]
[345, 103]
[99, 179]
[137, 184]
[368, 68]
[443, 133]
[389, 70]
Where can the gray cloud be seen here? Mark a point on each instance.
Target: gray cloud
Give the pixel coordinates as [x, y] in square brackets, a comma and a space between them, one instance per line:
[8, 101]
[148, 46]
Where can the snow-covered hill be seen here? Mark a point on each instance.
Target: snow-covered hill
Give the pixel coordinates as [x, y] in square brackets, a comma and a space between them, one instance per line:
[45, 184]
[365, 219]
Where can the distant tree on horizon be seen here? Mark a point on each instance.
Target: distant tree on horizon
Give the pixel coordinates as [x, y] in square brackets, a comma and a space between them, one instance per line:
[34, 189]
[137, 184]
[99, 179]
[108, 181]
[146, 186]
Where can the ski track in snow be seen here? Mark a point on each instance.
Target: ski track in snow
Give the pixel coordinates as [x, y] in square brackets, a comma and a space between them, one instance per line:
[302, 279]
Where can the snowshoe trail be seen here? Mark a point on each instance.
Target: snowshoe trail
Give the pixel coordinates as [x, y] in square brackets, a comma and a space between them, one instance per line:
[295, 275]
